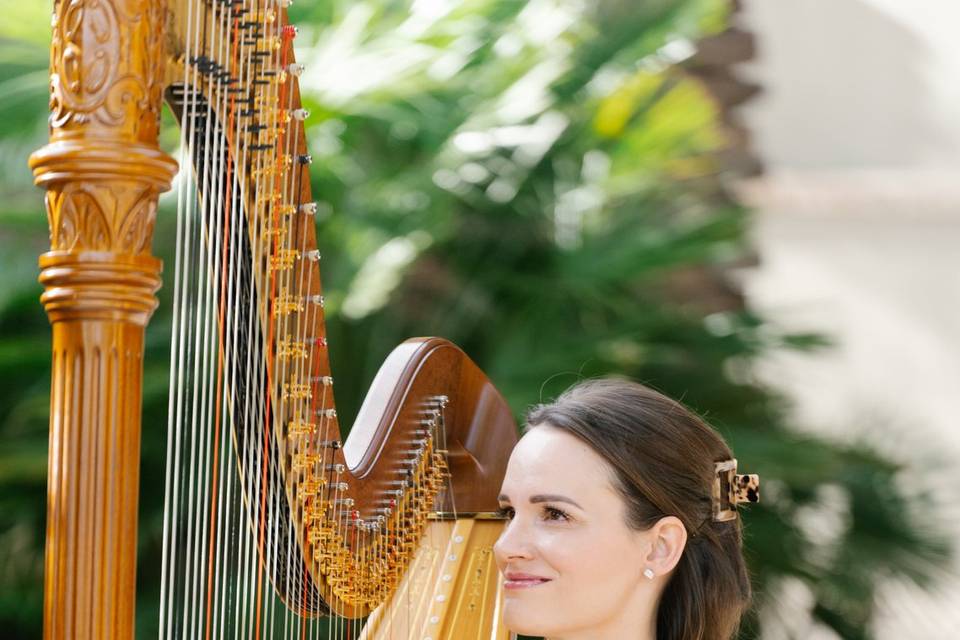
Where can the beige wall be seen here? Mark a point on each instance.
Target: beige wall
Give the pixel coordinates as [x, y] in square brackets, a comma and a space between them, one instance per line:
[854, 83]
[858, 231]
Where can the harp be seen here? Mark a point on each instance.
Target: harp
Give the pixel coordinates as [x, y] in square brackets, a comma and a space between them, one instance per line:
[274, 527]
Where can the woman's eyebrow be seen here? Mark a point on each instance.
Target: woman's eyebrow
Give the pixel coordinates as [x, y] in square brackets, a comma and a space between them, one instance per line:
[543, 497]
[551, 497]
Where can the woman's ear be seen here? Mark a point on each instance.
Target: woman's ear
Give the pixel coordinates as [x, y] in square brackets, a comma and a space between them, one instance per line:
[667, 537]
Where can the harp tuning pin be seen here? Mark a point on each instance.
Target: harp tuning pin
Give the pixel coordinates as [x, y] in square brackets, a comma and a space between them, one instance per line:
[327, 413]
[309, 208]
[317, 300]
[313, 255]
[300, 114]
[305, 158]
[295, 69]
[341, 486]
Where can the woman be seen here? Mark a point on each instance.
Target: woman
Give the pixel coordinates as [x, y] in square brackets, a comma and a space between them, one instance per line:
[622, 507]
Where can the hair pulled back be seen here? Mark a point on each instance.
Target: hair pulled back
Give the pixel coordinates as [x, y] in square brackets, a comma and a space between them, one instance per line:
[663, 459]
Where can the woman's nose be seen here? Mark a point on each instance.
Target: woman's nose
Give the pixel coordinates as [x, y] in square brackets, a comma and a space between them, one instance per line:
[514, 543]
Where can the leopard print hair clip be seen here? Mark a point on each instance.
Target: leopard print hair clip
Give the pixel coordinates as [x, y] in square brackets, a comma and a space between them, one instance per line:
[731, 488]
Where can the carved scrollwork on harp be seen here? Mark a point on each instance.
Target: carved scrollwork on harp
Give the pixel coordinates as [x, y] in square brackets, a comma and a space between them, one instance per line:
[105, 67]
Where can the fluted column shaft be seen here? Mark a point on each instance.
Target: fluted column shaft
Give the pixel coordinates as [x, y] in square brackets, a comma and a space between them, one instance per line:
[103, 173]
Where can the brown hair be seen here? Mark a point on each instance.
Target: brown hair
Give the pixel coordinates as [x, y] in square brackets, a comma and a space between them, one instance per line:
[663, 459]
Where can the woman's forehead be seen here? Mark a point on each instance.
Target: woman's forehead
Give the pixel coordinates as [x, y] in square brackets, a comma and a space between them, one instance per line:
[550, 458]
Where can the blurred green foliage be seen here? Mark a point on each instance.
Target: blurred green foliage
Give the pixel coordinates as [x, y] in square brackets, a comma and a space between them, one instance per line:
[536, 181]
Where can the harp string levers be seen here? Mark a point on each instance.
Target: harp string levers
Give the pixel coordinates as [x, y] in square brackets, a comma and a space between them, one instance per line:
[263, 533]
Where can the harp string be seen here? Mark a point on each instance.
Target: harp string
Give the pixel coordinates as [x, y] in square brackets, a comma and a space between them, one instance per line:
[216, 590]
[272, 423]
[292, 627]
[237, 144]
[223, 177]
[201, 339]
[183, 260]
[235, 197]
[199, 467]
[213, 349]
[258, 465]
[174, 406]
[240, 612]
[253, 401]
[283, 321]
[265, 532]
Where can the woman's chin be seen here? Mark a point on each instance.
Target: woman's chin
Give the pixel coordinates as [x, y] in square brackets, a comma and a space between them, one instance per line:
[525, 618]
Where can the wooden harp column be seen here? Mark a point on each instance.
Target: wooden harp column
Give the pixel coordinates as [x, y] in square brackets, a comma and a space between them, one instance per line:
[102, 171]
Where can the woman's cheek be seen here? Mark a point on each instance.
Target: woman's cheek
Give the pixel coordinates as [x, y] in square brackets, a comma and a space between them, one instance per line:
[566, 549]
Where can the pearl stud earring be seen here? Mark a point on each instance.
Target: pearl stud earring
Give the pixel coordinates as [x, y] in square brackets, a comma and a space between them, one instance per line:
[648, 572]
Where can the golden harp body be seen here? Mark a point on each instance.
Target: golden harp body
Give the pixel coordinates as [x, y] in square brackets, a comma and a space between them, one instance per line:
[396, 521]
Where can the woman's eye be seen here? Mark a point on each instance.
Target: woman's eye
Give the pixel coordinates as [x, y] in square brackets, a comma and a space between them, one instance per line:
[506, 512]
[552, 513]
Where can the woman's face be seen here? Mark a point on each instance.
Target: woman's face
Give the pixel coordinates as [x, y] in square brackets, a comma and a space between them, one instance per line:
[570, 564]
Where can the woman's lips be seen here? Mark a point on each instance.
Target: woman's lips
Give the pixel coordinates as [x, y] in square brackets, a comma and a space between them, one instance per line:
[522, 581]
